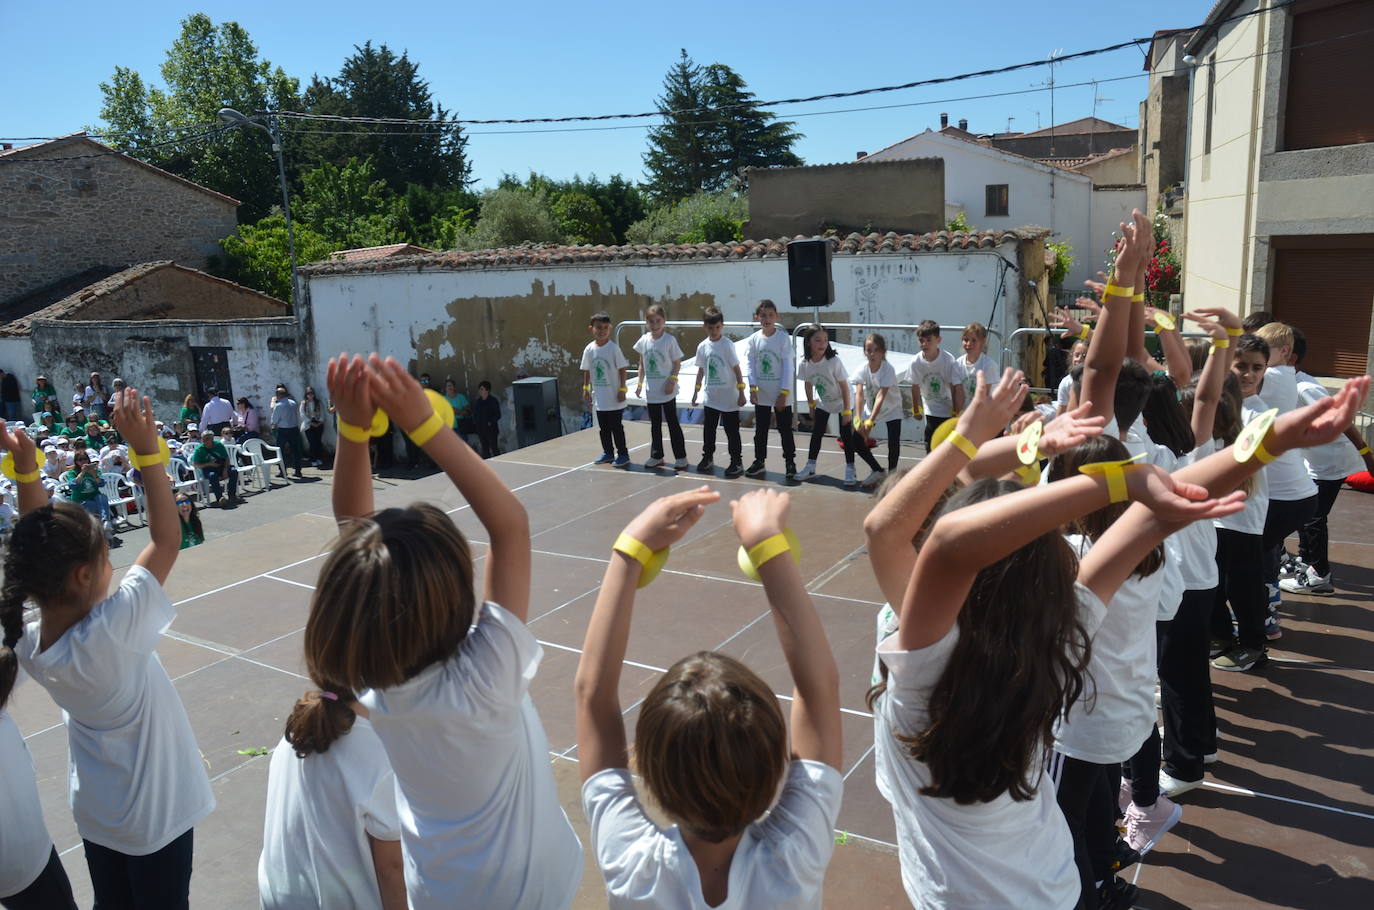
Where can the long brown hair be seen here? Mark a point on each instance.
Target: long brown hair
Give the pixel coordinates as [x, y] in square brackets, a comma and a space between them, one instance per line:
[318, 719]
[1095, 524]
[394, 596]
[1020, 662]
[711, 745]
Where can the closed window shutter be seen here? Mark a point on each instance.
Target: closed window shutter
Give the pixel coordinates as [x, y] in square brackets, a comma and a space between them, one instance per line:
[1328, 293]
[1330, 98]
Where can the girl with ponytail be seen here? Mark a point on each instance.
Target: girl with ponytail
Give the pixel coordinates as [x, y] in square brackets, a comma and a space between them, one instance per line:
[332, 837]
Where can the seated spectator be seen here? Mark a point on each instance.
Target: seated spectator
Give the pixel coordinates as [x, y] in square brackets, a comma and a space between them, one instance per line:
[165, 431]
[114, 457]
[245, 421]
[217, 413]
[211, 458]
[48, 421]
[76, 423]
[191, 443]
[44, 396]
[55, 463]
[192, 533]
[64, 448]
[83, 488]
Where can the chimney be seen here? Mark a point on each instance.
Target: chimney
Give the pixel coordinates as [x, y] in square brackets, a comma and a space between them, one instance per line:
[858, 155]
[963, 124]
[944, 120]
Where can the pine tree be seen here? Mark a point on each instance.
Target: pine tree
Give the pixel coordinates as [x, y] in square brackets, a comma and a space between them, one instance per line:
[745, 135]
[680, 159]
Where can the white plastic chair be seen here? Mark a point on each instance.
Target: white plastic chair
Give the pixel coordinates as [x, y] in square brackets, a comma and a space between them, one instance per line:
[185, 480]
[110, 485]
[264, 456]
[243, 461]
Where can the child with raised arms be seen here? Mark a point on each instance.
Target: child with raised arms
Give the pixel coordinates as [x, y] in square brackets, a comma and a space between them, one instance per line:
[719, 371]
[877, 400]
[710, 743]
[137, 784]
[826, 380]
[771, 365]
[935, 376]
[444, 678]
[659, 361]
[604, 372]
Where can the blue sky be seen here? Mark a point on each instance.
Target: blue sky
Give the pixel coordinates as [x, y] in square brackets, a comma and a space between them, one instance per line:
[542, 58]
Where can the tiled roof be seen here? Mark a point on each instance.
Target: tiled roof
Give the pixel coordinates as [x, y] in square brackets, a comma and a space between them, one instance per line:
[894, 152]
[1074, 164]
[52, 148]
[1081, 125]
[552, 254]
[91, 294]
[378, 252]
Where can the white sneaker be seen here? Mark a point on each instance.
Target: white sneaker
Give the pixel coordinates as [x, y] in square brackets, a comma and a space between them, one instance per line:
[1171, 786]
[680, 464]
[872, 480]
[1145, 826]
[850, 478]
[1308, 582]
[653, 463]
[1210, 758]
[807, 472]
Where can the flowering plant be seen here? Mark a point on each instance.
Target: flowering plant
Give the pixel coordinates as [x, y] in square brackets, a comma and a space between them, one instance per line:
[1164, 273]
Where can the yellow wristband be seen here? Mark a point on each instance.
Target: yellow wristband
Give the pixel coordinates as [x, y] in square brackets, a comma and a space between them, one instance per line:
[36, 474]
[961, 443]
[651, 560]
[783, 393]
[868, 422]
[739, 385]
[426, 430]
[1115, 472]
[1116, 290]
[1084, 331]
[765, 550]
[1138, 298]
[847, 412]
[1219, 344]
[351, 433]
[622, 388]
[1263, 455]
[1235, 333]
[1364, 451]
[753, 388]
[586, 388]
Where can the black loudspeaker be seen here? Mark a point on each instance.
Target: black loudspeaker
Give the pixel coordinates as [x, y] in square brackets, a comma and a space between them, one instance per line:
[537, 415]
[808, 273]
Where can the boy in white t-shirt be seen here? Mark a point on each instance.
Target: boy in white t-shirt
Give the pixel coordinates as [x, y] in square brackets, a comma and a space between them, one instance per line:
[718, 369]
[935, 373]
[771, 363]
[604, 372]
[975, 342]
[659, 361]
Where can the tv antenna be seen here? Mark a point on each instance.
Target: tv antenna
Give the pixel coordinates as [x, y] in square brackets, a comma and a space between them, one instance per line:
[1097, 99]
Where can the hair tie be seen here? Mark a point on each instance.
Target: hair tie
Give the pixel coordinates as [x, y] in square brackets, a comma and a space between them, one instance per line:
[329, 695]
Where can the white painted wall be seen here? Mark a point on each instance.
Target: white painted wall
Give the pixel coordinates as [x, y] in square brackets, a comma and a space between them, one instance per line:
[1110, 209]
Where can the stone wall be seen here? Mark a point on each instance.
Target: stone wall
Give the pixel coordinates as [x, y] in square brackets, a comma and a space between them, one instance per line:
[903, 196]
[58, 218]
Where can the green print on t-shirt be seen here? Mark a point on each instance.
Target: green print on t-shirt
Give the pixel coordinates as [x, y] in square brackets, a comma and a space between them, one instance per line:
[820, 388]
[715, 370]
[768, 366]
[600, 372]
[652, 366]
[934, 386]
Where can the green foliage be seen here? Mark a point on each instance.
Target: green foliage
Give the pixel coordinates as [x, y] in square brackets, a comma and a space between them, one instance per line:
[581, 219]
[511, 216]
[710, 133]
[257, 255]
[1063, 260]
[429, 217]
[347, 205]
[960, 223]
[207, 67]
[621, 202]
[703, 216]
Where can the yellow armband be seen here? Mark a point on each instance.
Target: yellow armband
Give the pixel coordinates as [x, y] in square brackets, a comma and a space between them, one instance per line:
[652, 561]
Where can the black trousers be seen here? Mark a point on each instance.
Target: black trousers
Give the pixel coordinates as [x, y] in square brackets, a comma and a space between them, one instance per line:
[894, 444]
[854, 444]
[1239, 560]
[1086, 792]
[612, 427]
[161, 879]
[1142, 770]
[1185, 684]
[215, 478]
[50, 891]
[314, 438]
[657, 414]
[733, 443]
[487, 439]
[1312, 537]
[1285, 516]
[289, 441]
[763, 418]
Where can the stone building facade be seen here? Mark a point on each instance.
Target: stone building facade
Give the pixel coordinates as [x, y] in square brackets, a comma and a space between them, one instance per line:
[62, 213]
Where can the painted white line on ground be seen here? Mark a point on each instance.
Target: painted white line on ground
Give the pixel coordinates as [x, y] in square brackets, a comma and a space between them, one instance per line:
[299, 584]
[859, 761]
[1243, 791]
[244, 581]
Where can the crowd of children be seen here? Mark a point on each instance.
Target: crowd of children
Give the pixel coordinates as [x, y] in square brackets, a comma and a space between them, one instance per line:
[1014, 715]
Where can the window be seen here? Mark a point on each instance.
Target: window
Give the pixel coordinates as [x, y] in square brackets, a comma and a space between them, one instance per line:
[1211, 104]
[997, 194]
[1330, 74]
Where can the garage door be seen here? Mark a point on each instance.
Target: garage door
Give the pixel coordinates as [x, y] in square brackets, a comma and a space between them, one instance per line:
[1325, 287]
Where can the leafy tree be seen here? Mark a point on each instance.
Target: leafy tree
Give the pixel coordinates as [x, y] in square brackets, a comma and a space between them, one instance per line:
[257, 255]
[374, 82]
[429, 216]
[347, 205]
[207, 67]
[620, 201]
[700, 217]
[581, 219]
[509, 217]
[712, 131]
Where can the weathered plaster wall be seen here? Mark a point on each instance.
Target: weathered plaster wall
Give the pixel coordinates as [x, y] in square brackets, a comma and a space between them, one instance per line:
[906, 196]
[494, 323]
[155, 357]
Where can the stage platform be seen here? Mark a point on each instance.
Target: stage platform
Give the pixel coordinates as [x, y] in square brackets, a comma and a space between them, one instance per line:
[1286, 818]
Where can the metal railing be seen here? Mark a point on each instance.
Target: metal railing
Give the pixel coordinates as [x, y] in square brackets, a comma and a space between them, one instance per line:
[1017, 355]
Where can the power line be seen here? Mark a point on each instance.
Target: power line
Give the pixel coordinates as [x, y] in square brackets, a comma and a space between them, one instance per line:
[132, 153]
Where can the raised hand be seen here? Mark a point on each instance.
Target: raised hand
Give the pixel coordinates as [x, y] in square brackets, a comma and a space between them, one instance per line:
[1022, 421]
[1216, 329]
[1062, 319]
[666, 520]
[1323, 421]
[18, 444]
[350, 390]
[1176, 500]
[1217, 314]
[397, 392]
[760, 515]
[136, 422]
[992, 406]
[1070, 429]
[1136, 249]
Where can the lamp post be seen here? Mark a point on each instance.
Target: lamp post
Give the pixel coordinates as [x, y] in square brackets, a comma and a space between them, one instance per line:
[234, 118]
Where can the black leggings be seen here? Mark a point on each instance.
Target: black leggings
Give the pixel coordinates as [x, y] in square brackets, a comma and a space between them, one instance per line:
[656, 414]
[1312, 538]
[1284, 517]
[50, 891]
[894, 443]
[612, 427]
[732, 440]
[161, 879]
[1238, 556]
[1087, 796]
[853, 443]
[1185, 684]
[763, 417]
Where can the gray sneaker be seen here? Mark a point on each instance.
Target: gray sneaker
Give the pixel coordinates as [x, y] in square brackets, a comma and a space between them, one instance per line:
[1308, 582]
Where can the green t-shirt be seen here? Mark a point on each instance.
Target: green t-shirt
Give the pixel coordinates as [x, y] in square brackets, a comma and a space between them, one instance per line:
[189, 537]
[189, 414]
[205, 454]
[84, 487]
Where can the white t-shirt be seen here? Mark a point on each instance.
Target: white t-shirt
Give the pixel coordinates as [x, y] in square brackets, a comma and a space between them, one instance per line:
[603, 363]
[779, 863]
[884, 378]
[1171, 590]
[24, 841]
[1113, 715]
[658, 355]
[936, 379]
[1065, 390]
[1334, 460]
[1198, 541]
[1250, 520]
[968, 373]
[136, 780]
[827, 378]
[481, 822]
[770, 365]
[1003, 853]
[320, 811]
[716, 361]
[1288, 478]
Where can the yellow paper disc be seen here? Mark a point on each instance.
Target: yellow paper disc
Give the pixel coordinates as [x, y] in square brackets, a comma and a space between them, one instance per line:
[652, 567]
[162, 448]
[7, 466]
[1250, 438]
[380, 424]
[1028, 443]
[1164, 322]
[1029, 474]
[441, 407]
[746, 565]
[942, 432]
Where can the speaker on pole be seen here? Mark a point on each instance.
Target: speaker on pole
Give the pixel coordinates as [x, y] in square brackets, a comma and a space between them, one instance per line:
[808, 273]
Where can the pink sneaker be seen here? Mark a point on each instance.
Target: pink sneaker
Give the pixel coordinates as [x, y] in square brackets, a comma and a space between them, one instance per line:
[1144, 827]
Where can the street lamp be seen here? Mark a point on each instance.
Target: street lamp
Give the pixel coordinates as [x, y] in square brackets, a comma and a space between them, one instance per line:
[234, 118]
